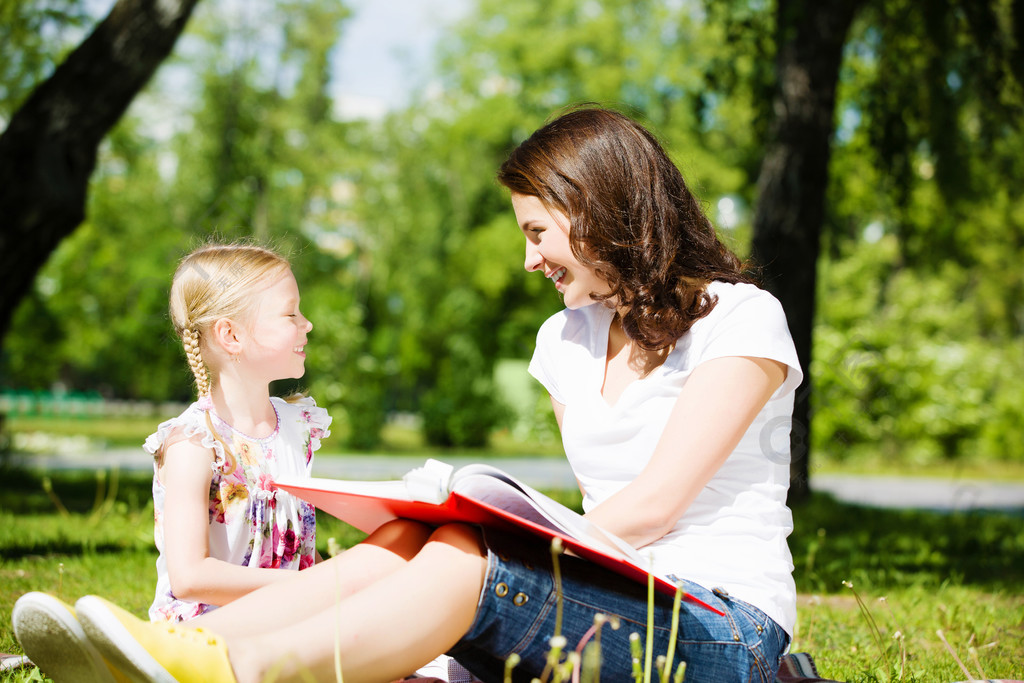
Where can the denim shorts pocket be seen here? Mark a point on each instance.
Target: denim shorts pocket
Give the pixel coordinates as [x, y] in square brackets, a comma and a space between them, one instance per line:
[766, 639]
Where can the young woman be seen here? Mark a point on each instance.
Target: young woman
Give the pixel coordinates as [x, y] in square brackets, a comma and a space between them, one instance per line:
[672, 379]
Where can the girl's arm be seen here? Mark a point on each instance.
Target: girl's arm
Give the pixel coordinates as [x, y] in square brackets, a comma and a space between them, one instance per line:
[718, 403]
[194, 575]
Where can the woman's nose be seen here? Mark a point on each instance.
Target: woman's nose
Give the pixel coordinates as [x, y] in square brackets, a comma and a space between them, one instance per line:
[534, 260]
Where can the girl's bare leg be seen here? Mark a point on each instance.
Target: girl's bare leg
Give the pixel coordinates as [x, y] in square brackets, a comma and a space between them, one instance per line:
[383, 632]
[287, 602]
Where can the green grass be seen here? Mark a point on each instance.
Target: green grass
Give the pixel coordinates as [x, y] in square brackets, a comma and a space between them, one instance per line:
[914, 572]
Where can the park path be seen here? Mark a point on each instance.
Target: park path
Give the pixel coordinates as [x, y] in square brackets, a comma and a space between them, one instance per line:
[554, 473]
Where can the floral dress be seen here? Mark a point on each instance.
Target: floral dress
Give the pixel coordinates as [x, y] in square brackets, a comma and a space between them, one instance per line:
[252, 523]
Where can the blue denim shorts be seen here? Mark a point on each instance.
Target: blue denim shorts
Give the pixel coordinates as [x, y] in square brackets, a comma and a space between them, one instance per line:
[517, 609]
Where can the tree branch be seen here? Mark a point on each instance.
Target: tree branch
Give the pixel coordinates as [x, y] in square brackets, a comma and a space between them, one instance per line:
[48, 151]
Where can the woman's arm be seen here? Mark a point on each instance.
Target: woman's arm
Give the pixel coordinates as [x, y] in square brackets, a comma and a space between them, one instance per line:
[194, 575]
[718, 403]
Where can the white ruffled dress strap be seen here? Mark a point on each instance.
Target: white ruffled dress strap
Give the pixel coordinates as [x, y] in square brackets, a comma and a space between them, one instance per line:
[316, 417]
[191, 422]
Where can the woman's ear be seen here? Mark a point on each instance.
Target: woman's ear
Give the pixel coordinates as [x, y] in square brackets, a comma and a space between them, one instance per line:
[227, 334]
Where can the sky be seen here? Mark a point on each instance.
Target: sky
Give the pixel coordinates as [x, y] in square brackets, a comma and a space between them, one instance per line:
[385, 51]
[386, 47]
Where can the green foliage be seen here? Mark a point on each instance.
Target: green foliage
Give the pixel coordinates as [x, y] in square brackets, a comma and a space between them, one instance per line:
[406, 251]
[461, 409]
[921, 298]
[906, 366]
[35, 36]
[448, 296]
[97, 316]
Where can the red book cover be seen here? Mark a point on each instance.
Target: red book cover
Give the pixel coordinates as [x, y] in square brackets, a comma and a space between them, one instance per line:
[369, 505]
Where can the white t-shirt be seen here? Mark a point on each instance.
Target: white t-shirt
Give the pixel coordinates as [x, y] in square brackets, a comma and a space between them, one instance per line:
[733, 535]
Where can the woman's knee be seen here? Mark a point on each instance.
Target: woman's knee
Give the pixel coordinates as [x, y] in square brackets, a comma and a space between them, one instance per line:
[464, 537]
[454, 560]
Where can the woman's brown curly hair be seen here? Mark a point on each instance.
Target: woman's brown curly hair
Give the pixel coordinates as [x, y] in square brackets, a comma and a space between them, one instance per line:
[632, 219]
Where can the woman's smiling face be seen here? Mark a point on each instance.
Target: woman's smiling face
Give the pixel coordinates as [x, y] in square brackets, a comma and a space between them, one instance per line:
[548, 250]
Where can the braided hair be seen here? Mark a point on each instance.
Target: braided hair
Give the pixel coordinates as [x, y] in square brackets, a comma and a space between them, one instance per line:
[214, 282]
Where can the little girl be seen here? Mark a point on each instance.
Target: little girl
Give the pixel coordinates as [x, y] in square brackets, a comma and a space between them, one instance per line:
[222, 527]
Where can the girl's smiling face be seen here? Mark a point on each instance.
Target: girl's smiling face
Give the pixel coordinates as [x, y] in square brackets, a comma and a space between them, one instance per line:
[548, 250]
[278, 336]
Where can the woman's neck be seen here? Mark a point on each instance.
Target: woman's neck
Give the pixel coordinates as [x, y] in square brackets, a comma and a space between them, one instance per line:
[626, 362]
[637, 359]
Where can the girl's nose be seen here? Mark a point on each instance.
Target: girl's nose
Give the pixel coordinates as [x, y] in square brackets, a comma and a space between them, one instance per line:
[534, 260]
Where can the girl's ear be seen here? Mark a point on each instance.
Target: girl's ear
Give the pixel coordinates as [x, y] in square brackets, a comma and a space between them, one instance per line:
[227, 334]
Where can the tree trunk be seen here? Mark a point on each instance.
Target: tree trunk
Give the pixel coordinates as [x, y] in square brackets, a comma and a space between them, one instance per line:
[794, 178]
[48, 151]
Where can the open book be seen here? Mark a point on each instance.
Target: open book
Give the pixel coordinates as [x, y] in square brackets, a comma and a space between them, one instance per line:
[475, 494]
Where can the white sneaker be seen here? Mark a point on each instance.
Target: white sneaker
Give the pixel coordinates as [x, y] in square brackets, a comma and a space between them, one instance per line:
[52, 638]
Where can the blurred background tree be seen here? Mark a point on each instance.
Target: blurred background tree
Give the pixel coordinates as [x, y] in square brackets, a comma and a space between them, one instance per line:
[49, 148]
[406, 250]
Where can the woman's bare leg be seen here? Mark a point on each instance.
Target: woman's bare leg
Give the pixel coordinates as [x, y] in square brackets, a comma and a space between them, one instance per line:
[383, 552]
[383, 632]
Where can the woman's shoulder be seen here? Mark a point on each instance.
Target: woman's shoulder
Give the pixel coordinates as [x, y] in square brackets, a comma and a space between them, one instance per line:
[741, 299]
[746, 321]
[738, 292]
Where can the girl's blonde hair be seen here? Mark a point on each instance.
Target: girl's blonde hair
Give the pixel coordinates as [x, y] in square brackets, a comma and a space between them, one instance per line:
[213, 282]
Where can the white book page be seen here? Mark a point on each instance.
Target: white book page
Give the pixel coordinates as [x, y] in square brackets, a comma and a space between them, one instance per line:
[491, 485]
